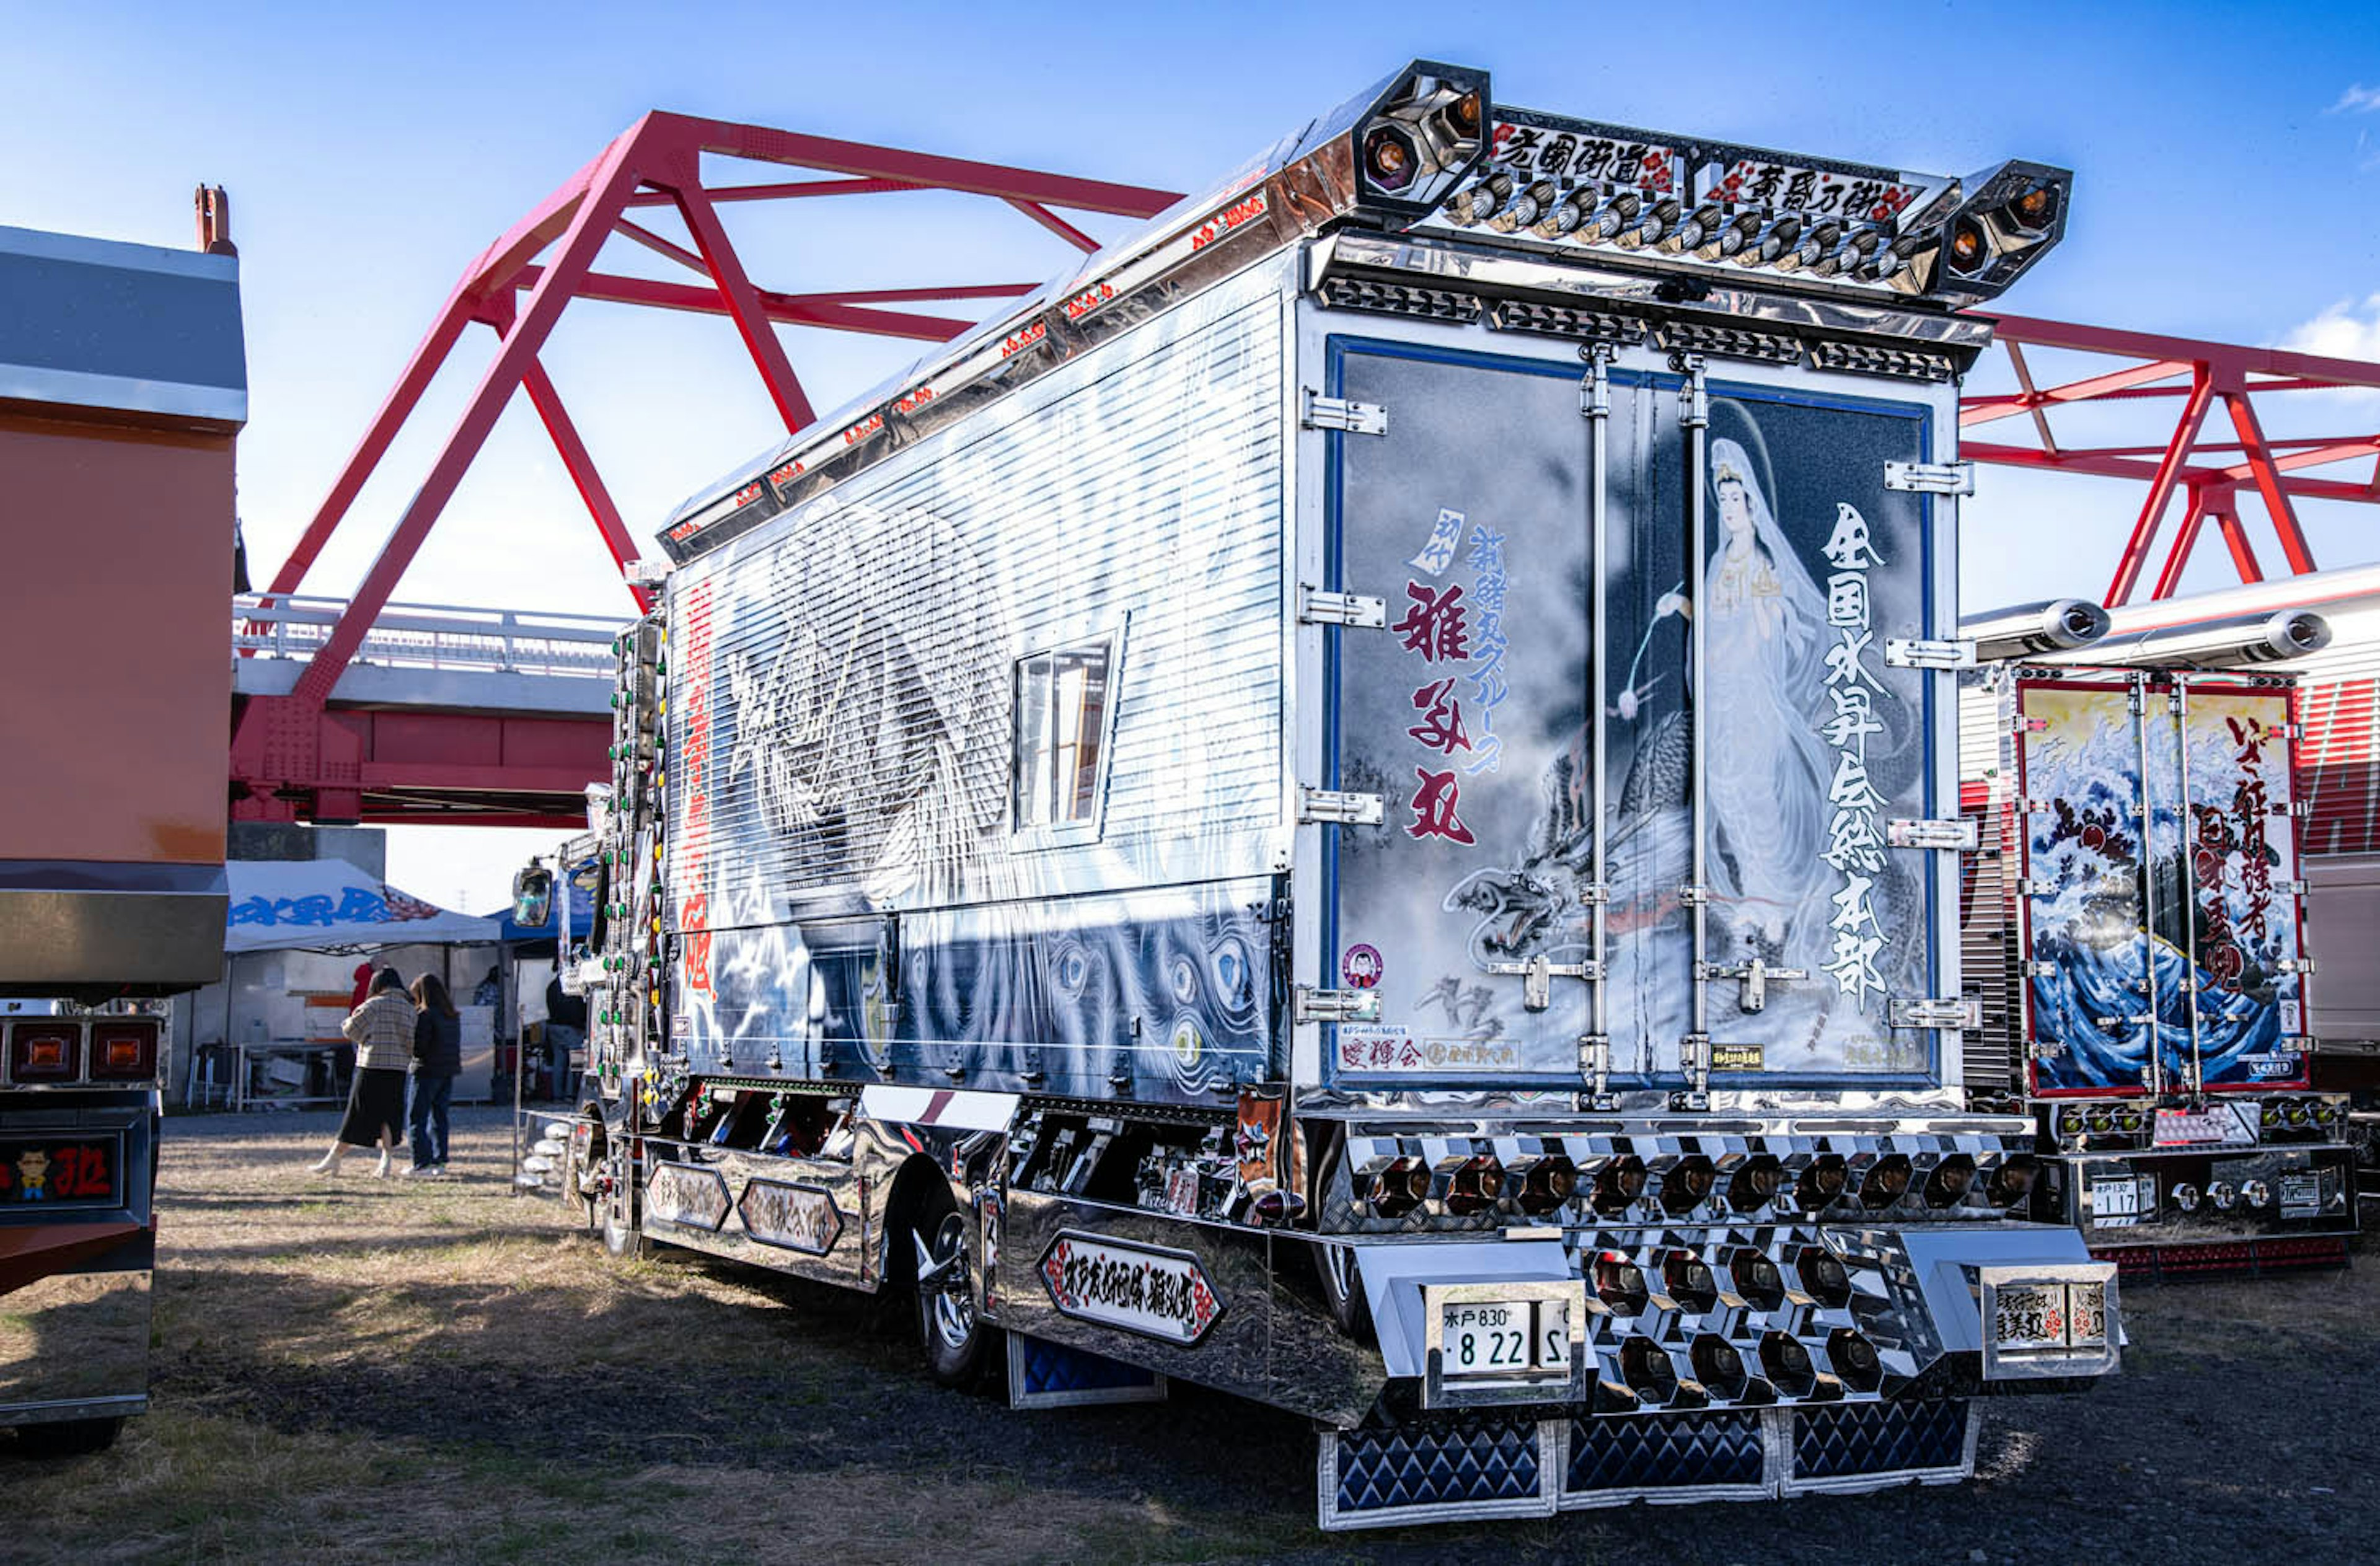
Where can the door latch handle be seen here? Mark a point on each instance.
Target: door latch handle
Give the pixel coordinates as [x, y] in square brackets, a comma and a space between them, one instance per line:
[1537, 976]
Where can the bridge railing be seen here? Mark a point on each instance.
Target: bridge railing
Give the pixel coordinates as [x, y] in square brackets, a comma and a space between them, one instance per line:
[429, 635]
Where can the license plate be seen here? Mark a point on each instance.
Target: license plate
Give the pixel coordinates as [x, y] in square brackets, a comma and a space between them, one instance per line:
[1505, 1337]
[2300, 1195]
[2117, 1199]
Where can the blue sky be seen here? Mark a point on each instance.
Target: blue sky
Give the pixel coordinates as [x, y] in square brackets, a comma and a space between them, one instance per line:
[2227, 162]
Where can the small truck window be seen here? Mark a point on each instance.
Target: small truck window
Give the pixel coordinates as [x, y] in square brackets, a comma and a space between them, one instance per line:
[1061, 699]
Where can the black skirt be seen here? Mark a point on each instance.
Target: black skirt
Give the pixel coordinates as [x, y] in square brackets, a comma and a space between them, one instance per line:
[376, 1103]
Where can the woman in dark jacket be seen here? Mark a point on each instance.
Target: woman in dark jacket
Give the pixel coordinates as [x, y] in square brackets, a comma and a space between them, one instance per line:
[382, 1030]
[437, 1060]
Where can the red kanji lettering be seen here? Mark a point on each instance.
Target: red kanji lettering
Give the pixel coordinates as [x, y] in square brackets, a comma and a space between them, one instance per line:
[1433, 626]
[1433, 808]
[1441, 725]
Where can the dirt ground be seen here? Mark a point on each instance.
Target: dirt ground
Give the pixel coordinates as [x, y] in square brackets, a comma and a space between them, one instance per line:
[353, 1370]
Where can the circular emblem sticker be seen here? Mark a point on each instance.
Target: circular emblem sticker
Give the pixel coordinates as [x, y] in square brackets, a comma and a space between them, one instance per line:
[1361, 967]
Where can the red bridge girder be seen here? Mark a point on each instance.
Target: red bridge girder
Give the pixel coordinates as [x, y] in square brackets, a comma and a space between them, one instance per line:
[302, 756]
[2208, 473]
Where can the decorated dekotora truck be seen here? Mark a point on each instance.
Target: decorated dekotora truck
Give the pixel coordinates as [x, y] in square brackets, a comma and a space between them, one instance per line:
[2135, 931]
[1177, 834]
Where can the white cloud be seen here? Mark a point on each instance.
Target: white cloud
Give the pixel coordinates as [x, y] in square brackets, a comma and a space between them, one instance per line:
[2357, 100]
[2347, 330]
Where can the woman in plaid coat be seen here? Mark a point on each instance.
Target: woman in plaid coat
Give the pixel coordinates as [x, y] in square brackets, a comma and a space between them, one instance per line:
[382, 1030]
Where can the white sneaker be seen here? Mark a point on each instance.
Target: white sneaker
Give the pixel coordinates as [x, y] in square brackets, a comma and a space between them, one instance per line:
[329, 1165]
[419, 1170]
[381, 1172]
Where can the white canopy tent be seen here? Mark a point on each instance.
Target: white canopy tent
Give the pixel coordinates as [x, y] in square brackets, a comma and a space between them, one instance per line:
[292, 936]
[330, 905]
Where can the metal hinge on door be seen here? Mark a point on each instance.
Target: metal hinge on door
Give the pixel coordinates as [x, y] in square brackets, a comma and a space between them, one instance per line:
[1336, 1005]
[1333, 806]
[1931, 478]
[1904, 652]
[1956, 834]
[1342, 414]
[1358, 611]
[1904, 1012]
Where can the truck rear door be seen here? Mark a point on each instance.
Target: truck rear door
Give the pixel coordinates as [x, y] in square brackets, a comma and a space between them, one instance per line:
[1470, 906]
[2161, 885]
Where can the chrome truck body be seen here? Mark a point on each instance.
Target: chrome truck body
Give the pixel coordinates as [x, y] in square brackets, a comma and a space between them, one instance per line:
[1174, 829]
[2134, 918]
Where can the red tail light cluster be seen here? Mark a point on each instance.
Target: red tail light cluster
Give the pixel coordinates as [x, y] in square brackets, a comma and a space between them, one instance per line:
[63, 1051]
[44, 1050]
[124, 1050]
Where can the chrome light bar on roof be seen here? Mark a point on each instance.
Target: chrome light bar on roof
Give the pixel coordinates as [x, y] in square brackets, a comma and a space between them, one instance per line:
[1428, 150]
[1675, 203]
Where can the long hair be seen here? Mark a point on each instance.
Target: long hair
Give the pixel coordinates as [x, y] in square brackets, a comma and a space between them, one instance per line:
[386, 981]
[430, 994]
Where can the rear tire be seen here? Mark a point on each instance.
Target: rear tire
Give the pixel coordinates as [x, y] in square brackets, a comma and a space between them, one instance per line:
[954, 1337]
[1342, 1290]
[67, 1437]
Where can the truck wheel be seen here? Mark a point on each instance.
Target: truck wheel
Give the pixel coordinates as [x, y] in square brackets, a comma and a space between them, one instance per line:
[1343, 1288]
[950, 1331]
[67, 1437]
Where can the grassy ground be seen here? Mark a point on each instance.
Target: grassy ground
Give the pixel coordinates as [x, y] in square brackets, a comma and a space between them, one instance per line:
[353, 1370]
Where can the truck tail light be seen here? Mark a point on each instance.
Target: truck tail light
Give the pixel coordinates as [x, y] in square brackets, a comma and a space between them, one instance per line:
[1756, 1184]
[1687, 1278]
[1717, 1365]
[1648, 1370]
[1823, 1278]
[1618, 1184]
[1785, 1362]
[1854, 1359]
[1398, 1189]
[44, 1052]
[1757, 1278]
[2011, 1183]
[1687, 1184]
[1548, 1184]
[1823, 1181]
[1886, 1182]
[124, 1052]
[1619, 1283]
[1476, 1185]
[1950, 1182]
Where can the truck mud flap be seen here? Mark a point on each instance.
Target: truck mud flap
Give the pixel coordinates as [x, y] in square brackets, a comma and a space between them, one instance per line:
[1386, 1473]
[1389, 1475]
[1046, 1374]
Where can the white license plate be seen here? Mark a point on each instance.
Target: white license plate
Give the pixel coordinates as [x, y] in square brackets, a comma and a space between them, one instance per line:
[2115, 1198]
[1505, 1337]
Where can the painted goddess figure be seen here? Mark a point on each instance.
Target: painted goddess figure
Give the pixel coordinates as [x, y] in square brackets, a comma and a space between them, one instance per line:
[1764, 620]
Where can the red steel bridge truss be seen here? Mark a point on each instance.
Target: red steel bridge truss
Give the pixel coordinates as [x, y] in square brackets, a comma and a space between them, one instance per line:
[315, 751]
